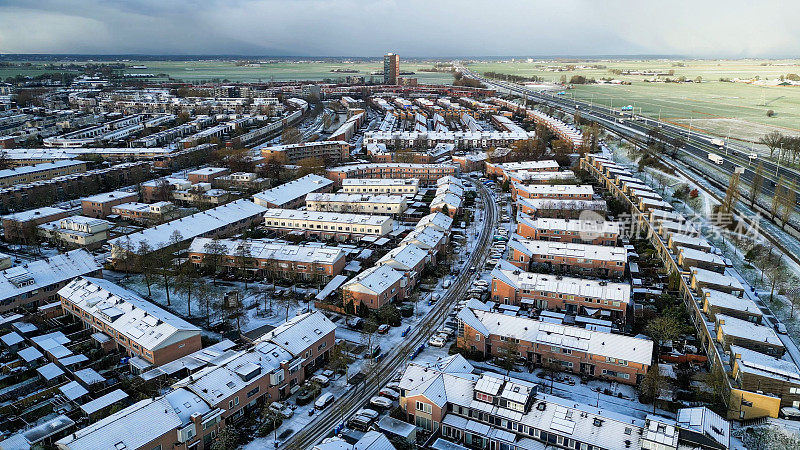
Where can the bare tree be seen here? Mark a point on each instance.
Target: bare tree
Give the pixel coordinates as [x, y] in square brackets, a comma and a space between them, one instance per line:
[244, 260]
[757, 183]
[145, 264]
[772, 140]
[214, 253]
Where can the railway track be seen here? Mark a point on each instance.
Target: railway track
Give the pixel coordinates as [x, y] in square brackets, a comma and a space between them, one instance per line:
[348, 403]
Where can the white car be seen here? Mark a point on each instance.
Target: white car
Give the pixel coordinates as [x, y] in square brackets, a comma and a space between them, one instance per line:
[366, 412]
[436, 341]
[281, 409]
[483, 283]
[380, 402]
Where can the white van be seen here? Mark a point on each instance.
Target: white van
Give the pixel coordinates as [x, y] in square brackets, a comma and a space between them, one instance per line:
[324, 400]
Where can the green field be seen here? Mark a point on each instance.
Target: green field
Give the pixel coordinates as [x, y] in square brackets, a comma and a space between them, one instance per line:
[196, 71]
[738, 110]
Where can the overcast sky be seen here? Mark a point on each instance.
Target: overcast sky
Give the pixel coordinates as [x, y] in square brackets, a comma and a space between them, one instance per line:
[412, 28]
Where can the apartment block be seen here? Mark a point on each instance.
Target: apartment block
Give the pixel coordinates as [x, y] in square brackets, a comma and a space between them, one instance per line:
[596, 259]
[357, 203]
[427, 174]
[577, 231]
[511, 286]
[142, 212]
[39, 172]
[553, 191]
[327, 225]
[560, 209]
[329, 150]
[381, 186]
[264, 257]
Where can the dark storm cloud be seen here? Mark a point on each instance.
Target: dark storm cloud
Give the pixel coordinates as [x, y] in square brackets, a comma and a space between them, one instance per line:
[409, 27]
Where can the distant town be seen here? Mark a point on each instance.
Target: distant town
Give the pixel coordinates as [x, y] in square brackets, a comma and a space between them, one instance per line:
[383, 263]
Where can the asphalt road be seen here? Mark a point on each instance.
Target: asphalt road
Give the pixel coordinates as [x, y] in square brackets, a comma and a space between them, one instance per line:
[381, 374]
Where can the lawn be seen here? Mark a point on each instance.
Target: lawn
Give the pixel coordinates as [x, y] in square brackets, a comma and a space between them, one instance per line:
[723, 108]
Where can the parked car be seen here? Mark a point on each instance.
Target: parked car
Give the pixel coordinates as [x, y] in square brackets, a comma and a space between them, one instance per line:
[321, 380]
[324, 400]
[446, 283]
[383, 329]
[366, 412]
[355, 322]
[380, 402]
[281, 409]
[436, 341]
[435, 297]
[360, 423]
[780, 328]
[389, 393]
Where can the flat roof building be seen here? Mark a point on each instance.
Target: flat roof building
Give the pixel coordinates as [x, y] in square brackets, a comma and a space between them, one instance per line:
[327, 224]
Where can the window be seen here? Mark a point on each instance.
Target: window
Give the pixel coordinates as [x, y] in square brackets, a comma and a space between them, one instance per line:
[253, 392]
[236, 401]
[794, 390]
[424, 407]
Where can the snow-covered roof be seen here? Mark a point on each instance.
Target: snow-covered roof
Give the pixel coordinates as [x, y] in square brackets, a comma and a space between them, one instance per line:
[757, 363]
[562, 204]
[11, 339]
[299, 333]
[706, 422]
[354, 198]
[436, 220]
[127, 313]
[728, 301]
[293, 190]
[50, 371]
[41, 167]
[521, 280]
[109, 196]
[324, 216]
[73, 390]
[191, 226]
[732, 326]
[555, 190]
[38, 274]
[380, 182]
[712, 278]
[150, 418]
[374, 280]
[32, 214]
[700, 255]
[208, 171]
[569, 250]
[423, 237]
[264, 249]
[589, 227]
[548, 165]
[594, 342]
[404, 258]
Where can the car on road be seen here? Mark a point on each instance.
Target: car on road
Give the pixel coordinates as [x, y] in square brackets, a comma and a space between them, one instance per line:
[380, 402]
[436, 341]
[324, 400]
[383, 329]
[389, 393]
[281, 409]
